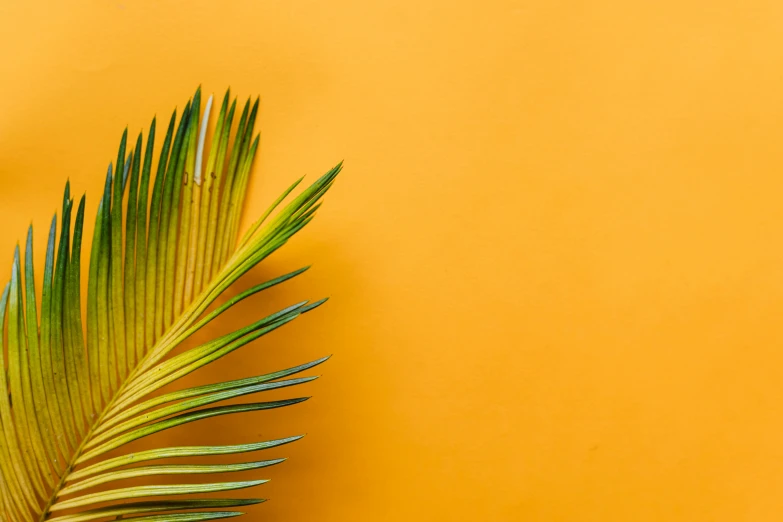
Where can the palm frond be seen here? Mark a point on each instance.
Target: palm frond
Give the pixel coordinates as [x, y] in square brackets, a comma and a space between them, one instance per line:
[164, 248]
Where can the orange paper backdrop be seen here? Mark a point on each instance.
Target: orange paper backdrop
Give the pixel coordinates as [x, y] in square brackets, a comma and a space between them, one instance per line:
[554, 255]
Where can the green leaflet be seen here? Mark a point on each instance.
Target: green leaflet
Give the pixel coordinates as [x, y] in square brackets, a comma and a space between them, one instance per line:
[211, 186]
[19, 377]
[152, 491]
[189, 517]
[174, 180]
[13, 465]
[153, 281]
[176, 469]
[129, 280]
[63, 382]
[164, 249]
[74, 316]
[47, 368]
[165, 265]
[106, 360]
[136, 508]
[176, 452]
[140, 290]
[45, 423]
[116, 289]
[211, 266]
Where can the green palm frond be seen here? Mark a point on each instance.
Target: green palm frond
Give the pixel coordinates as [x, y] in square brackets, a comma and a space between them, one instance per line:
[165, 246]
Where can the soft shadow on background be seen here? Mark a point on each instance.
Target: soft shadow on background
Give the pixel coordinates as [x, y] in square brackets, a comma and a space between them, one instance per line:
[554, 255]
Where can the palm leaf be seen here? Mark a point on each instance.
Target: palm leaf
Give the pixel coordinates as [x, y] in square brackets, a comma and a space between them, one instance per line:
[164, 248]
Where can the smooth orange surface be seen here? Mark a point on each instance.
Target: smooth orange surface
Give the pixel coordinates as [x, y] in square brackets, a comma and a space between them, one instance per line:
[555, 254]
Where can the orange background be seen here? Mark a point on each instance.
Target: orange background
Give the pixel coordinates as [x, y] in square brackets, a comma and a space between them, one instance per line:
[554, 255]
